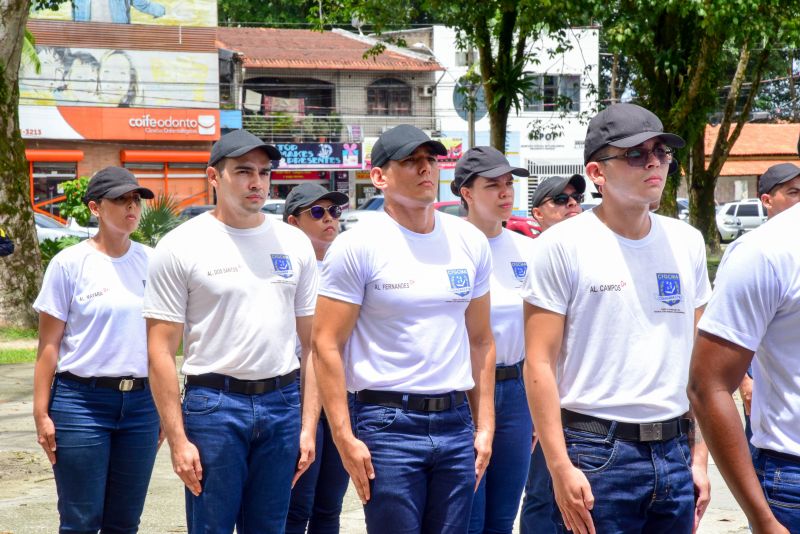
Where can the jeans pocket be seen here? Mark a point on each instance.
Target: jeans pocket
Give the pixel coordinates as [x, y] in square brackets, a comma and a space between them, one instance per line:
[782, 483]
[685, 451]
[372, 418]
[290, 395]
[588, 454]
[201, 401]
[465, 414]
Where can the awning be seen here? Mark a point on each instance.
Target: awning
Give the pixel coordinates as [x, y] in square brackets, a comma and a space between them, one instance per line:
[53, 155]
[164, 156]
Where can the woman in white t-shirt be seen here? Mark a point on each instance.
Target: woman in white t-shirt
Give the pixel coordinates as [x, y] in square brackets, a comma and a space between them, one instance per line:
[95, 417]
[485, 182]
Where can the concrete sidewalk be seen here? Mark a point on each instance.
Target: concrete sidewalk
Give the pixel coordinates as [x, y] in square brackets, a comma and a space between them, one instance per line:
[28, 495]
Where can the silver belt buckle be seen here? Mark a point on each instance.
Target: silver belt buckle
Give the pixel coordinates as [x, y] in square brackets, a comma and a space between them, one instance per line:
[126, 384]
[650, 431]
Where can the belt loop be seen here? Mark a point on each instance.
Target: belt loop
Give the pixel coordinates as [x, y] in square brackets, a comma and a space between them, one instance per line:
[227, 384]
[94, 383]
[405, 402]
[611, 429]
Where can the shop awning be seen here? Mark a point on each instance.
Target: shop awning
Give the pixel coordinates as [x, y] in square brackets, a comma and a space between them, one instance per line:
[53, 155]
[164, 156]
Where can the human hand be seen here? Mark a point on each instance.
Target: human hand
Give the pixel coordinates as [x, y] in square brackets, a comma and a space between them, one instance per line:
[46, 436]
[483, 452]
[308, 444]
[186, 464]
[573, 494]
[357, 462]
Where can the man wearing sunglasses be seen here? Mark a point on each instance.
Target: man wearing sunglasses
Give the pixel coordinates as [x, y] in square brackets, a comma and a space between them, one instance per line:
[612, 300]
[557, 198]
[405, 302]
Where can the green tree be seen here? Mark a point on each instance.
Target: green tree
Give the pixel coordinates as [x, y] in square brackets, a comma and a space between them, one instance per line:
[73, 205]
[681, 54]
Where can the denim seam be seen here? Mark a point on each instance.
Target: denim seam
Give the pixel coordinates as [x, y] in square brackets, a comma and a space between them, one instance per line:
[605, 466]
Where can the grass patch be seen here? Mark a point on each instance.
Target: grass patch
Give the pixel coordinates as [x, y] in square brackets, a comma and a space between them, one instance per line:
[713, 264]
[10, 333]
[17, 356]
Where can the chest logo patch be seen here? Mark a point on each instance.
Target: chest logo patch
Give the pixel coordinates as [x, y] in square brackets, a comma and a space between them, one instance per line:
[459, 282]
[282, 265]
[520, 269]
[669, 288]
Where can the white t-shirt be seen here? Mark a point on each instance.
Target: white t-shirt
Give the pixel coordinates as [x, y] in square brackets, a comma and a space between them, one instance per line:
[629, 307]
[510, 255]
[756, 305]
[413, 290]
[100, 300]
[237, 292]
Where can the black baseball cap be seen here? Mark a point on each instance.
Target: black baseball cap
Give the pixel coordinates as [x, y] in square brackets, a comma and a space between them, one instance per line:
[400, 142]
[555, 185]
[305, 194]
[625, 125]
[114, 182]
[483, 161]
[775, 176]
[238, 143]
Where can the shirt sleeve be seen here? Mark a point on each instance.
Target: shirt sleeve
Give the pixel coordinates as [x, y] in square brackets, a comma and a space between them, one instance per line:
[483, 270]
[746, 297]
[57, 291]
[166, 293]
[703, 293]
[305, 297]
[343, 273]
[549, 282]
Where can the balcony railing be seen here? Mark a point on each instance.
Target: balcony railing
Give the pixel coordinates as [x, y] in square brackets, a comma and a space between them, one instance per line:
[282, 128]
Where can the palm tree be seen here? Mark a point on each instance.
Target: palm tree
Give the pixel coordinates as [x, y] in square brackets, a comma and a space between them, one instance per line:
[29, 54]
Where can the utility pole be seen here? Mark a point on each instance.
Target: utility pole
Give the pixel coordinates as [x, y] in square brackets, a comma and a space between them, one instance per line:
[472, 104]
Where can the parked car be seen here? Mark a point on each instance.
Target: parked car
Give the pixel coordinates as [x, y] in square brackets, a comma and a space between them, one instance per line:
[736, 218]
[683, 209]
[49, 228]
[195, 210]
[526, 226]
[273, 208]
[453, 207]
[90, 230]
[369, 209]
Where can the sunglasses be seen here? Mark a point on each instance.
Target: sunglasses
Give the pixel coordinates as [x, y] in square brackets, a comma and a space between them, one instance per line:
[318, 212]
[563, 198]
[638, 157]
[127, 199]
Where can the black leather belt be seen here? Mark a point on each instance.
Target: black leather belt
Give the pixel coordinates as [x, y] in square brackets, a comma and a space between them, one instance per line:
[120, 383]
[507, 372]
[780, 455]
[660, 431]
[237, 385]
[416, 402]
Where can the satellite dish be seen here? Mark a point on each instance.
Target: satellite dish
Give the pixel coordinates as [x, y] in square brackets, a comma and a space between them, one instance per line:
[356, 23]
[460, 100]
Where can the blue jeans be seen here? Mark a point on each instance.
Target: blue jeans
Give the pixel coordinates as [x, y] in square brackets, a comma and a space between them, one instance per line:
[317, 496]
[638, 487]
[106, 443]
[496, 502]
[780, 480]
[424, 468]
[538, 505]
[248, 450]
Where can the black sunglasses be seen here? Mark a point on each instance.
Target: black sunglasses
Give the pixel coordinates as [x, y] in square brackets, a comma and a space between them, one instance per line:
[318, 212]
[638, 157]
[563, 198]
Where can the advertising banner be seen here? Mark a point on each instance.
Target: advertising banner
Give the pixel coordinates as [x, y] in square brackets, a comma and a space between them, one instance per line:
[161, 12]
[120, 78]
[135, 124]
[320, 155]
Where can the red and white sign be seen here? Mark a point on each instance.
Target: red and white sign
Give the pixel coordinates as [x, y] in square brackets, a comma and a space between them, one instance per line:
[118, 124]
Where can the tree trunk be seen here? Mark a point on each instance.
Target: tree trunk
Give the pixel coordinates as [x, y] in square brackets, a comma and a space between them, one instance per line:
[498, 122]
[702, 214]
[20, 273]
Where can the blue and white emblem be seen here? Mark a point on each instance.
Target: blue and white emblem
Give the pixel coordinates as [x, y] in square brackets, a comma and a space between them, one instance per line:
[520, 269]
[282, 265]
[459, 282]
[669, 288]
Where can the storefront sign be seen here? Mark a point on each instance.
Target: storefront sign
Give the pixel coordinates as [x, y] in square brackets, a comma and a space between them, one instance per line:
[107, 124]
[297, 175]
[320, 155]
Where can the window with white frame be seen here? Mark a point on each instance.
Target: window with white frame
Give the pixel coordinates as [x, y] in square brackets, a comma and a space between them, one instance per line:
[554, 93]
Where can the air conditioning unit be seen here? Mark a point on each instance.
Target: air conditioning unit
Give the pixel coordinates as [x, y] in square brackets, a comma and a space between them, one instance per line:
[427, 90]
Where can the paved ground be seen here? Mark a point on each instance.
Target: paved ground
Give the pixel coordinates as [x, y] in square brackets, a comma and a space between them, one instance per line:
[27, 490]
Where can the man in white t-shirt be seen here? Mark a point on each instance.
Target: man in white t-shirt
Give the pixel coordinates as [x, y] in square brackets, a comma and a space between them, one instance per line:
[612, 297]
[240, 288]
[406, 333]
[755, 308]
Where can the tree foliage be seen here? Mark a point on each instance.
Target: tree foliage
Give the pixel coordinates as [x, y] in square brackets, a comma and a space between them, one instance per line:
[680, 54]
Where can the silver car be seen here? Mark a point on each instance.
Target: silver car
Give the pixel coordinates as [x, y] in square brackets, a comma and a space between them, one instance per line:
[736, 218]
[48, 228]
